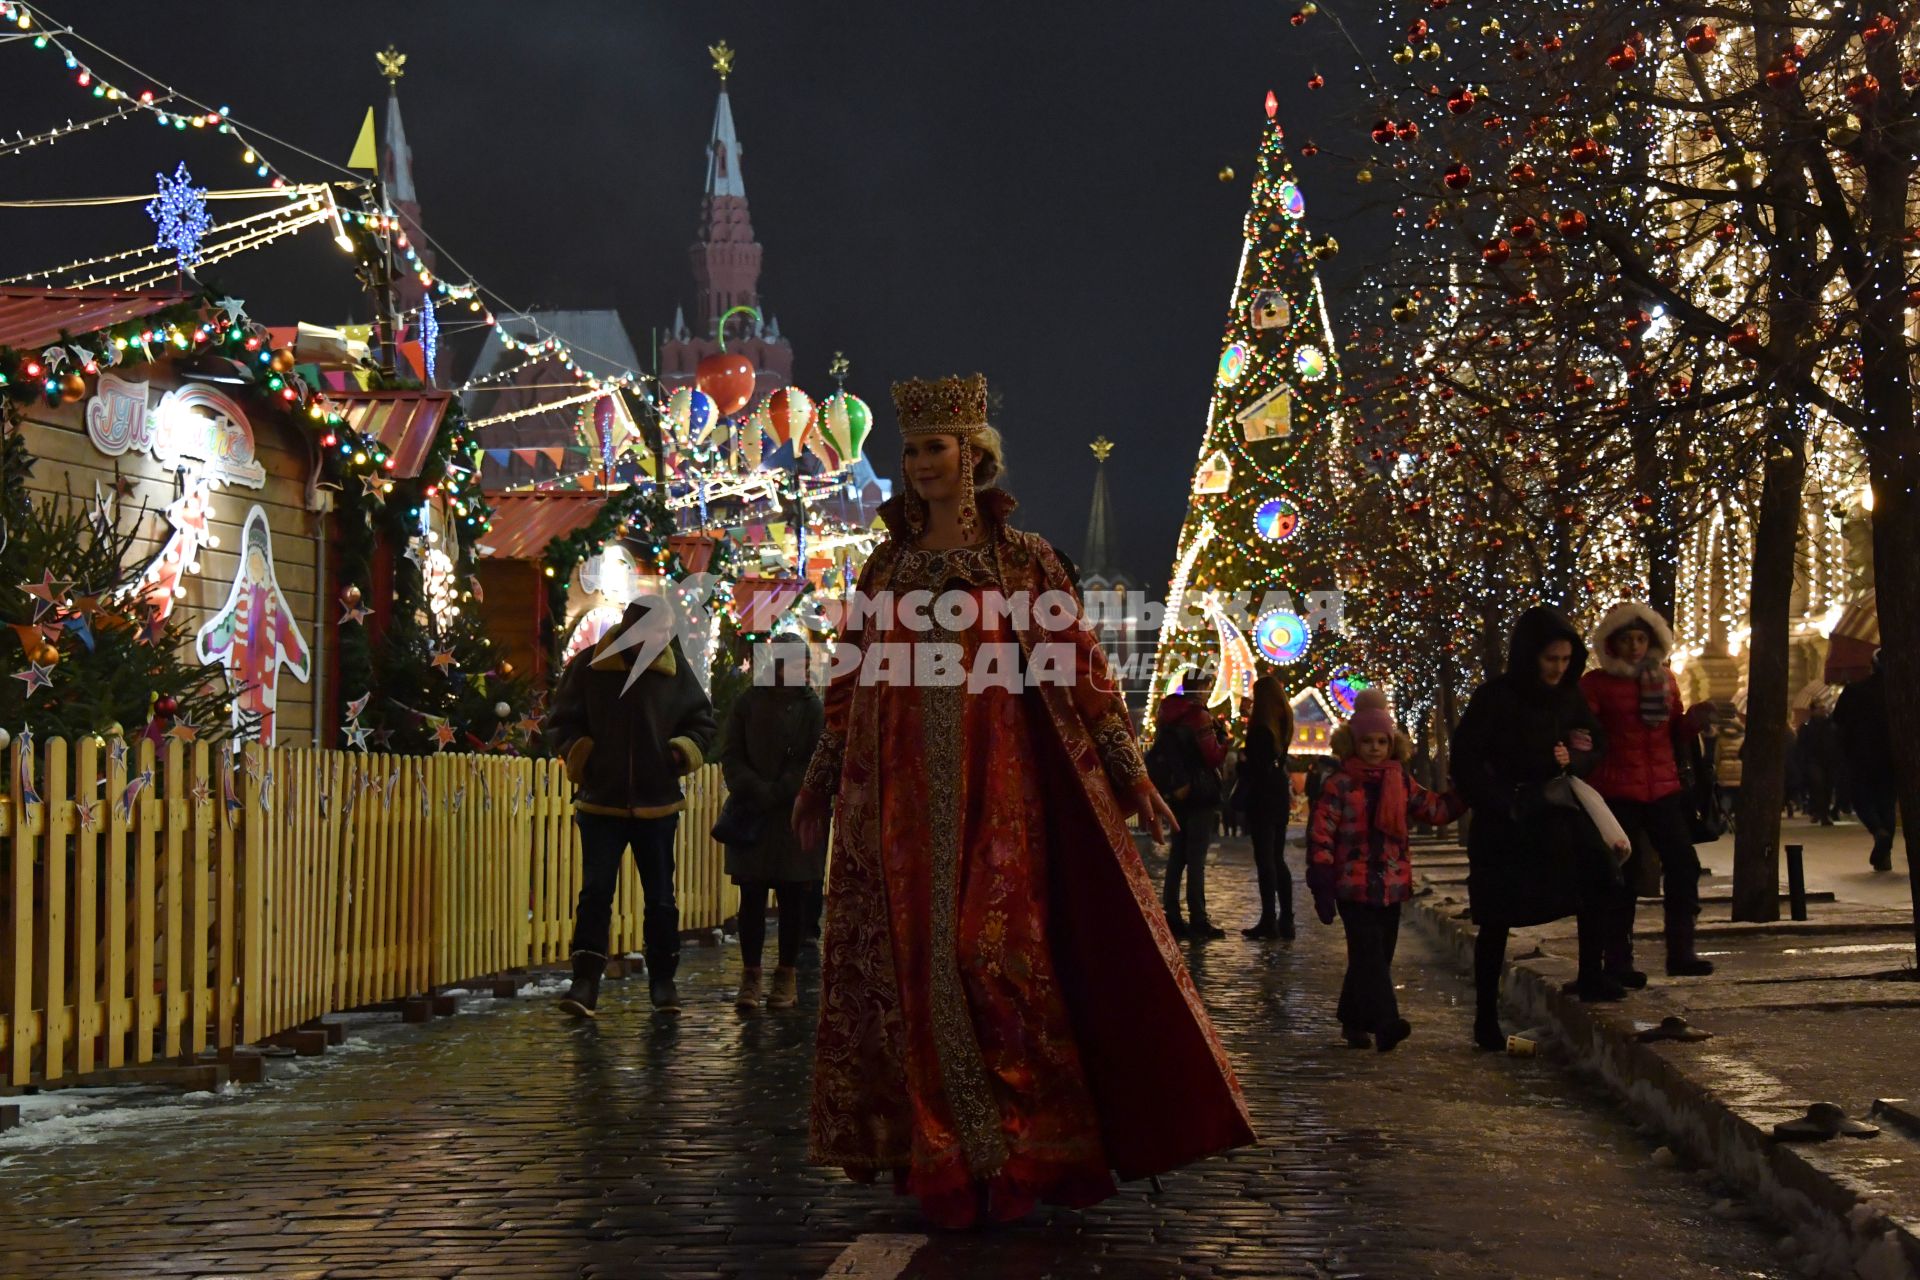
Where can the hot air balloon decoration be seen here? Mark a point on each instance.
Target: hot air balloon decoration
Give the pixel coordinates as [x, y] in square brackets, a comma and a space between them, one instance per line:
[789, 417]
[692, 413]
[844, 423]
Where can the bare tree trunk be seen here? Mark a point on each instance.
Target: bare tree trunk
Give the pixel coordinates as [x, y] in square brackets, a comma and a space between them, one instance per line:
[1892, 445]
[1756, 859]
[1791, 305]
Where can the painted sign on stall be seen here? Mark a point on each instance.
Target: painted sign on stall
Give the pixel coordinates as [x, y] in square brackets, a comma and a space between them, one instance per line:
[193, 425]
[254, 634]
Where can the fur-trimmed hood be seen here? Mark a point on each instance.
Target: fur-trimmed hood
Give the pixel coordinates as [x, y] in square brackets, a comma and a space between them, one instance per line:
[1622, 615]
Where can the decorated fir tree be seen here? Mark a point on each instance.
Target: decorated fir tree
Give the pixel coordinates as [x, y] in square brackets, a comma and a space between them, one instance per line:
[1254, 575]
[96, 647]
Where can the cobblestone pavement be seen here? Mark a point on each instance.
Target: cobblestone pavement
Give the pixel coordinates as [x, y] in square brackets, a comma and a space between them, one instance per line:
[511, 1143]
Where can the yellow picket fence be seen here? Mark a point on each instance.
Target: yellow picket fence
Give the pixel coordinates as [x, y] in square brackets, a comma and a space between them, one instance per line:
[155, 905]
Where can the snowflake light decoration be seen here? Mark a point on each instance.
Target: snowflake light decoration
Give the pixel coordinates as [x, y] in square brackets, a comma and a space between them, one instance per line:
[429, 337]
[179, 214]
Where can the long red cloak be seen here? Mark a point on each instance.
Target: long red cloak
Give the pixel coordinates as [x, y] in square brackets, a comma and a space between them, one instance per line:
[1002, 1004]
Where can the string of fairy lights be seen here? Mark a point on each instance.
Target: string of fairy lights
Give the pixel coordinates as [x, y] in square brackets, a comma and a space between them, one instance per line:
[189, 240]
[1502, 239]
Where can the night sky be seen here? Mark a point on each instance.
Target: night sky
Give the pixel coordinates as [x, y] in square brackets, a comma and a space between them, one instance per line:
[1025, 189]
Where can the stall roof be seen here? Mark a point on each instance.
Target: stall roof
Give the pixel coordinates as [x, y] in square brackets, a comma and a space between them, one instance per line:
[524, 523]
[32, 318]
[403, 421]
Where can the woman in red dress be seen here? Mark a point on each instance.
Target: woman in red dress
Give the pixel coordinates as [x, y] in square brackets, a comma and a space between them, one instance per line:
[1004, 1016]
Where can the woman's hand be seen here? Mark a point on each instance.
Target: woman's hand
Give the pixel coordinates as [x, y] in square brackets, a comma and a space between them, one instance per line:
[1561, 756]
[810, 821]
[1156, 819]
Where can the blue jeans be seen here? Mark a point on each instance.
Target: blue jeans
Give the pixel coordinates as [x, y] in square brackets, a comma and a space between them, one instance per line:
[604, 840]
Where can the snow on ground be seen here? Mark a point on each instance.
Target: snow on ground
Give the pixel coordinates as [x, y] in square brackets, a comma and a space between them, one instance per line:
[58, 1117]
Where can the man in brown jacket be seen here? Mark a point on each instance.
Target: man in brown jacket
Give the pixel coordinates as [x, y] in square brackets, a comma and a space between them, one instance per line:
[627, 740]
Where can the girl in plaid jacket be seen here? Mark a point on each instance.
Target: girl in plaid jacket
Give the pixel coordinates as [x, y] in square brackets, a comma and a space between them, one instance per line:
[1357, 862]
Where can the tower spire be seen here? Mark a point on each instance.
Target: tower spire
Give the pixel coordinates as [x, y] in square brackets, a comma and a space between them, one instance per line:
[396, 176]
[726, 258]
[1097, 556]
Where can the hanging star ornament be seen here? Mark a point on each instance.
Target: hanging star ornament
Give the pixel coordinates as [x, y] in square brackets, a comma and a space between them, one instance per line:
[89, 814]
[353, 613]
[201, 792]
[35, 677]
[179, 214]
[358, 705]
[232, 308]
[357, 737]
[443, 658]
[47, 588]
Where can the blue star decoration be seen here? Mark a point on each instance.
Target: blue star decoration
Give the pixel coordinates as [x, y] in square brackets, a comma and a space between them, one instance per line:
[179, 214]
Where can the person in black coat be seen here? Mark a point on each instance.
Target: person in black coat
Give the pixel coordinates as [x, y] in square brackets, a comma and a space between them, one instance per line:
[1530, 861]
[1267, 787]
[1860, 716]
[1815, 748]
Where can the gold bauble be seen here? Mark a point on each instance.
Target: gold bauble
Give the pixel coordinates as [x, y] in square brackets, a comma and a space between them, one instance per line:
[282, 361]
[1364, 176]
[46, 656]
[1226, 173]
[73, 387]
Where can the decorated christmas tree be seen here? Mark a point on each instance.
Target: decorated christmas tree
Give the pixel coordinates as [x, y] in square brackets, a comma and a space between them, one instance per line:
[97, 651]
[1254, 587]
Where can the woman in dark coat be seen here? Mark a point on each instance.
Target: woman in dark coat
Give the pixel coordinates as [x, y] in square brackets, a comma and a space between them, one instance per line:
[770, 737]
[1530, 861]
[1268, 789]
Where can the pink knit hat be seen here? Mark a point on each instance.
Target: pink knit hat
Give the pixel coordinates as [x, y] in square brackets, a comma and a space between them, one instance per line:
[1370, 715]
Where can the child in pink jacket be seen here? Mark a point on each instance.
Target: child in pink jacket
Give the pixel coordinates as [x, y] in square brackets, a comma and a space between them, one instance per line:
[1358, 866]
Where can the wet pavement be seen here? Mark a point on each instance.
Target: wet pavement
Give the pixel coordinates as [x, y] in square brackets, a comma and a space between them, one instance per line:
[512, 1143]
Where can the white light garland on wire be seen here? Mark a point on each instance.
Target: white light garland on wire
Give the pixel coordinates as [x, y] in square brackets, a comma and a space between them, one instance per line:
[153, 250]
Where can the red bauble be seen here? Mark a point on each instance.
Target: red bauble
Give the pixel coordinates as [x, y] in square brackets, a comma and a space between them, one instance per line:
[1878, 28]
[1524, 229]
[1495, 252]
[1783, 73]
[1458, 178]
[728, 378]
[166, 705]
[1702, 38]
[1523, 173]
[1622, 58]
[1417, 31]
[1863, 89]
[1316, 81]
[1460, 101]
[1744, 338]
[1384, 132]
[1585, 151]
[1573, 223]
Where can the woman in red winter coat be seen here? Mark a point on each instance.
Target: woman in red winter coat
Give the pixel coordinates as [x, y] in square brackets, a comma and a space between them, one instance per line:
[1637, 701]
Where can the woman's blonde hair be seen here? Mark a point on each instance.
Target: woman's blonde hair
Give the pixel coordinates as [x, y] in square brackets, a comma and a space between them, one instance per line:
[989, 457]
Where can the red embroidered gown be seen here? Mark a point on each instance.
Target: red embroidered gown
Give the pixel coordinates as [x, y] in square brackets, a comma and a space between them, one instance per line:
[1004, 1016]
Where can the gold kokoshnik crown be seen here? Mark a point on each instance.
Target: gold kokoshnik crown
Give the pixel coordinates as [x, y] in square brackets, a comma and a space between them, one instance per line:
[945, 406]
